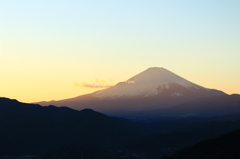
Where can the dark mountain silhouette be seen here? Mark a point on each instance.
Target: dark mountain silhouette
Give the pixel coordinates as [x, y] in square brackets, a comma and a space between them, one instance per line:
[8, 106]
[50, 131]
[33, 129]
[224, 147]
[142, 96]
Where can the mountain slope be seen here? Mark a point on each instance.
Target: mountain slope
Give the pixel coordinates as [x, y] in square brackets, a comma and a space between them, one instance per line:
[208, 106]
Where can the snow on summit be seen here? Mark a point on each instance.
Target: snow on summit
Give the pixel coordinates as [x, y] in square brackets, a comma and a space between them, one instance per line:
[159, 76]
[147, 83]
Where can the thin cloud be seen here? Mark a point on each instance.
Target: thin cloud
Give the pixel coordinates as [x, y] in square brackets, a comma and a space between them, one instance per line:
[94, 85]
[97, 84]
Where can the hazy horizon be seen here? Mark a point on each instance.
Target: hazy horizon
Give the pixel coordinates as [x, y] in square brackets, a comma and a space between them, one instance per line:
[52, 50]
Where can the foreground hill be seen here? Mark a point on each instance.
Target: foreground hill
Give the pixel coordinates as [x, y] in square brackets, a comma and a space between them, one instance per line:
[224, 147]
[142, 96]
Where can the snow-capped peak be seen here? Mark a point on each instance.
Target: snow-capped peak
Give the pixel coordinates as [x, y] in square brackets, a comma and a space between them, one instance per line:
[147, 83]
[159, 76]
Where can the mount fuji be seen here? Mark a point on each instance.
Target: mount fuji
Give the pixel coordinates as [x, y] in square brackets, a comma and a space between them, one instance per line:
[148, 93]
[154, 82]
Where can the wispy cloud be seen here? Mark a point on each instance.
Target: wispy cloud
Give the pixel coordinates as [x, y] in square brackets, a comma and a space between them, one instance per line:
[97, 84]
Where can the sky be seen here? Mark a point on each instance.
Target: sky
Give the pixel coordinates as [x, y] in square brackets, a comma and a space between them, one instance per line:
[58, 49]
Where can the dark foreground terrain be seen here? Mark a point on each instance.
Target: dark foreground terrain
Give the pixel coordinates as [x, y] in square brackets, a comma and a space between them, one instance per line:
[33, 131]
[225, 147]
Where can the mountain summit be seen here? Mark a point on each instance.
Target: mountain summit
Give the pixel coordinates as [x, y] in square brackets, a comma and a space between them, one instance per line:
[150, 82]
[148, 93]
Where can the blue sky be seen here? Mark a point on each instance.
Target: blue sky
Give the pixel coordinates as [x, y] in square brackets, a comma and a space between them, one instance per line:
[81, 41]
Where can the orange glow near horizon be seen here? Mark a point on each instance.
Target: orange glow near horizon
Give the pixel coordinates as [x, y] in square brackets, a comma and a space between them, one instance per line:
[28, 91]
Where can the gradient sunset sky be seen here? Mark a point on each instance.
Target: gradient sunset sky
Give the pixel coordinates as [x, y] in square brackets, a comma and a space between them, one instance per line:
[57, 49]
